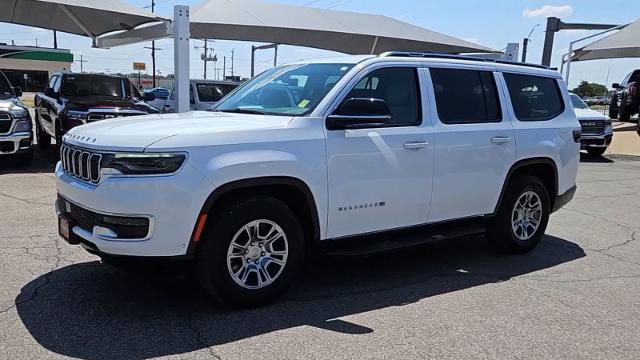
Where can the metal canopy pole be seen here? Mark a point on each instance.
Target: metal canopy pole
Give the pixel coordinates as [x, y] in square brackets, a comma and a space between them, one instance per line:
[77, 21]
[554, 25]
[253, 55]
[569, 54]
[181, 34]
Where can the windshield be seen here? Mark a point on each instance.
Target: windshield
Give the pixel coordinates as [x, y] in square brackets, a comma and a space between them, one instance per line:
[577, 102]
[293, 90]
[208, 92]
[92, 85]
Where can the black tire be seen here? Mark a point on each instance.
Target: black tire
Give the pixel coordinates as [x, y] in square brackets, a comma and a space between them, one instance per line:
[500, 232]
[42, 138]
[613, 113]
[595, 152]
[625, 114]
[211, 255]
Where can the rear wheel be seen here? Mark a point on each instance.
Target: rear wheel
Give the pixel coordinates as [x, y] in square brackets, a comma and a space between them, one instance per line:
[625, 114]
[251, 252]
[613, 112]
[58, 138]
[596, 151]
[522, 217]
[42, 138]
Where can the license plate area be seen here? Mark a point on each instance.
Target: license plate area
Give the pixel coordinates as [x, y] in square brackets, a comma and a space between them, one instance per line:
[65, 227]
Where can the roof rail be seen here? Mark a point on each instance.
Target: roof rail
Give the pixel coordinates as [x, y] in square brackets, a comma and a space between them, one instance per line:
[456, 57]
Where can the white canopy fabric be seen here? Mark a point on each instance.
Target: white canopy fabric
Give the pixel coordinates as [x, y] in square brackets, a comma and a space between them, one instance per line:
[82, 17]
[623, 44]
[346, 32]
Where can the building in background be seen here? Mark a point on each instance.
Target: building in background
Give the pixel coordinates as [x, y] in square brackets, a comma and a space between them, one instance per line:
[30, 67]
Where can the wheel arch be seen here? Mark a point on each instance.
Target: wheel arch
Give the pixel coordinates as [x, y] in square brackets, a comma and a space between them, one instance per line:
[542, 167]
[292, 191]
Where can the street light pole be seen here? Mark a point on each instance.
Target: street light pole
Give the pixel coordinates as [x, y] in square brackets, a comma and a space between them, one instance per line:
[525, 44]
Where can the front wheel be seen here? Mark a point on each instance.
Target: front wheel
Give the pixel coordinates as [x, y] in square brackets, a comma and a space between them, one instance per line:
[522, 217]
[42, 138]
[251, 252]
[625, 114]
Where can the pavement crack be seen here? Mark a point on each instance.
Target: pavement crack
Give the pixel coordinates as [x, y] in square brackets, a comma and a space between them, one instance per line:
[199, 338]
[31, 202]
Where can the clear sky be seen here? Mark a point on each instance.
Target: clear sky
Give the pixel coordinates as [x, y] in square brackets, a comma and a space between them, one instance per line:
[492, 23]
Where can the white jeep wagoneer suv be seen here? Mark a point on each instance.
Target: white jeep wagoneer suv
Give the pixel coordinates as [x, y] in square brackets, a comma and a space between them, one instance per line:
[325, 150]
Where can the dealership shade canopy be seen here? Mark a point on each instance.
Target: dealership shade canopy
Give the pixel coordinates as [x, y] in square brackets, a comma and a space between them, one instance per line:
[346, 32]
[623, 44]
[82, 17]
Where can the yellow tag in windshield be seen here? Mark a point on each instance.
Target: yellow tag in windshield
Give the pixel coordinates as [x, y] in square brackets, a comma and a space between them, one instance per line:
[303, 104]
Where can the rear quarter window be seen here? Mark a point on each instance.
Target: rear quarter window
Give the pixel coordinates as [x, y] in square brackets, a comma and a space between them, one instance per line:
[534, 98]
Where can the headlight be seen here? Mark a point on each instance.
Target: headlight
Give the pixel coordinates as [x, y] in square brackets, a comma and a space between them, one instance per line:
[19, 112]
[77, 115]
[22, 126]
[143, 164]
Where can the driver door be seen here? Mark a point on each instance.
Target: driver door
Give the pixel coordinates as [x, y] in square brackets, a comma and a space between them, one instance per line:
[380, 176]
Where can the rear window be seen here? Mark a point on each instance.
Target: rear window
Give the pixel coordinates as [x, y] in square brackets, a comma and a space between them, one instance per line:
[465, 96]
[534, 98]
[208, 92]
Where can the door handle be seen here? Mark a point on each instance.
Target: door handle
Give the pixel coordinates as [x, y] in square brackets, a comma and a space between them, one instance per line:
[416, 144]
[500, 139]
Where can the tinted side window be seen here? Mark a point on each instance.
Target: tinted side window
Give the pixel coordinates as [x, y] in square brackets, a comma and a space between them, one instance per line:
[465, 96]
[398, 87]
[534, 98]
[56, 85]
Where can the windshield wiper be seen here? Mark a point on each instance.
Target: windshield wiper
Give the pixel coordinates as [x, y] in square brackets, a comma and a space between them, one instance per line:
[242, 111]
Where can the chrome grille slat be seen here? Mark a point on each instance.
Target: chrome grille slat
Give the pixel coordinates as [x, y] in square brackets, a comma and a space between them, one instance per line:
[80, 163]
[592, 127]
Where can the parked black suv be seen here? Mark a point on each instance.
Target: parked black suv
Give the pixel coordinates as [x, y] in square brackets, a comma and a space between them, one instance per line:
[70, 100]
[15, 124]
[625, 101]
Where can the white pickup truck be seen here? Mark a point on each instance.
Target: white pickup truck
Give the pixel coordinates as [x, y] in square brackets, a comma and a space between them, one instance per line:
[321, 151]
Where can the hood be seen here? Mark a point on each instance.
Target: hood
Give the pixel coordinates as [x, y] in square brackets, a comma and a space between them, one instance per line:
[85, 103]
[139, 132]
[588, 114]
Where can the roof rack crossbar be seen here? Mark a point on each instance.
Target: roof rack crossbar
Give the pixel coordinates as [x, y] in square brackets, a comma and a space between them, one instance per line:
[456, 57]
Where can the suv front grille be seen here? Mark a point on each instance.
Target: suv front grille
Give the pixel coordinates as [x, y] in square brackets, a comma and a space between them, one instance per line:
[80, 163]
[5, 123]
[592, 127]
[124, 227]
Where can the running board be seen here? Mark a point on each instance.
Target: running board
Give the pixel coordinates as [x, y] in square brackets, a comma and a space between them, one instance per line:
[398, 239]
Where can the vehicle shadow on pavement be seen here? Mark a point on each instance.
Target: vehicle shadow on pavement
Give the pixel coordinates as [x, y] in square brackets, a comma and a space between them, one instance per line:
[93, 311]
[586, 158]
[44, 161]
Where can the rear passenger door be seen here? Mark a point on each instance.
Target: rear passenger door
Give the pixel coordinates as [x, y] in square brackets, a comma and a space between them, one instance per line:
[474, 142]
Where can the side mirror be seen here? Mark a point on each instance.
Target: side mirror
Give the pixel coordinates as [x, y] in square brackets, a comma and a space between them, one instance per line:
[17, 90]
[148, 96]
[50, 93]
[615, 85]
[357, 113]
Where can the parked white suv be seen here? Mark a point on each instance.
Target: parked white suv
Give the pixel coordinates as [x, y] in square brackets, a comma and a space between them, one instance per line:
[320, 151]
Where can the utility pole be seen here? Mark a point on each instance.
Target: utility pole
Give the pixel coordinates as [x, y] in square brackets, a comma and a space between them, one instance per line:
[153, 49]
[224, 67]
[55, 39]
[205, 57]
[232, 50]
[81, 61]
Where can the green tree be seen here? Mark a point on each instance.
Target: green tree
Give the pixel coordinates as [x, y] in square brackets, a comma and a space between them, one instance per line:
[589, 89]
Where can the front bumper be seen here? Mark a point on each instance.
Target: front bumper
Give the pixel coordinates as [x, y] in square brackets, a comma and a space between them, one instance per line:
[170, 203]
[15, 143]
[595, 141]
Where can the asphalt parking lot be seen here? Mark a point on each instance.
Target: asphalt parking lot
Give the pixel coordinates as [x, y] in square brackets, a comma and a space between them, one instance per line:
[576, 296]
